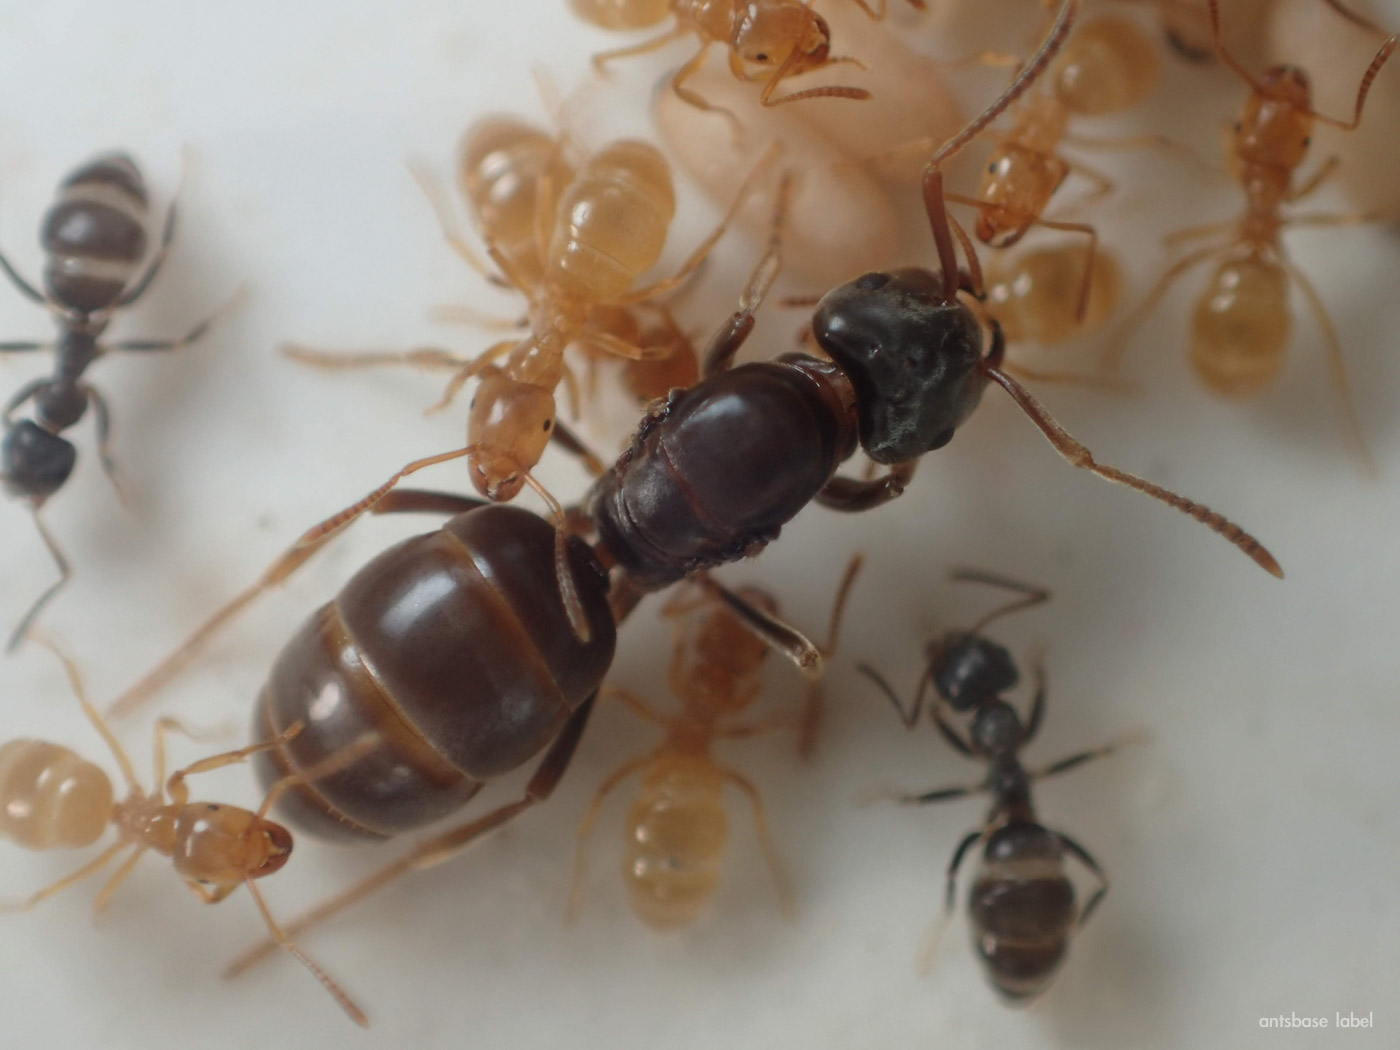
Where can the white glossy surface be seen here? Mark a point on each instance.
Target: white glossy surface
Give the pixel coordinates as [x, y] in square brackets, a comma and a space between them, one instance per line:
[1253, 843]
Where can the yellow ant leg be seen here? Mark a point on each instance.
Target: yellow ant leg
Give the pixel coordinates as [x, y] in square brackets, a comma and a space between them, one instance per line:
[579, 885]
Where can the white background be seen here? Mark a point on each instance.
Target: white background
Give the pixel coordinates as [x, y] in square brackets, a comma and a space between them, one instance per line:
[1253, 842]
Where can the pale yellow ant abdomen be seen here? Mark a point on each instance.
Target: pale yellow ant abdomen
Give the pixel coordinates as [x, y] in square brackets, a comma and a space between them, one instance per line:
[1108, 66]
[622, 14]
[50, 798]
[1242, 327]
[677, 832]
[1035, 294]
[612, 221]
[503, 167]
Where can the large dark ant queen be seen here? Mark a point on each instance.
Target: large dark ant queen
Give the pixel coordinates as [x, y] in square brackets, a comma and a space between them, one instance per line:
[1022, 906]
[470, 650]
[94, 238]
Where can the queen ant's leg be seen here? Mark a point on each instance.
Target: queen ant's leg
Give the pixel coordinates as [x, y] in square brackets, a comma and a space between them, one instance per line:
[579, 885]
[20, 346]
[444, 847]
[851, 494]
[781, 880]
[1089, 862]
[769, 629]
[281, 569]
[814, 707]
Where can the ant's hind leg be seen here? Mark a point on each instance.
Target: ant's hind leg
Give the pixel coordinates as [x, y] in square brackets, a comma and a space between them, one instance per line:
[777, 634]
[149, 345]
[585, 833]
[1089, 862]
[65, 573]
[27, 289]
[924, 961]
[88, 870]
[443, 847]
[781, 880]
[104, 440]
[852, 494]
[731, 336]
[1337, 365]
[288, 563]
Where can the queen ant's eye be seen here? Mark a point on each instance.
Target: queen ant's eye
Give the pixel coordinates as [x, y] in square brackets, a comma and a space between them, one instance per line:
[761, 57]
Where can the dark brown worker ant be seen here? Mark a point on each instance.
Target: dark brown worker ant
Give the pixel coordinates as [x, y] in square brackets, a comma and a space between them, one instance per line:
[1242, 326]
[1022, 905]
[94, 237]
[678, 829]
[52, 798]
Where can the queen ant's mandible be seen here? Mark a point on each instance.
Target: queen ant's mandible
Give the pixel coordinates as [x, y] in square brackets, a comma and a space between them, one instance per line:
[94, 238]
[1022, 906]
